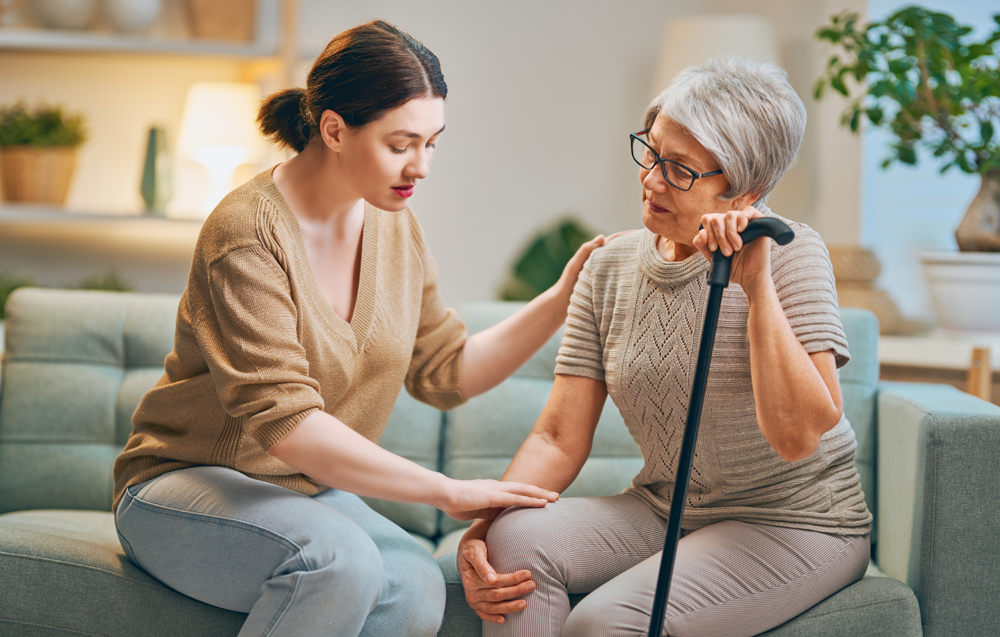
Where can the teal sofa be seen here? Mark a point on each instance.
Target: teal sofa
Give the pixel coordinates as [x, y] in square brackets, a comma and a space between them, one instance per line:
[76, 364]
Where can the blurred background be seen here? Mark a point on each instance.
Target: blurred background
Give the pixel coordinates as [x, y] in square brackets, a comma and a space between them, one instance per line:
[542, 97]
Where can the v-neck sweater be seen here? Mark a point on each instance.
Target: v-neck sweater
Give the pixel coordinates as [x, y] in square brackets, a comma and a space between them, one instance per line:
[257, 347]
[635, 322]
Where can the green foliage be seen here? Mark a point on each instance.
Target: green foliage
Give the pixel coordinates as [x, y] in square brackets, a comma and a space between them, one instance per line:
[925, 81]
[10, 281]
[42, 127]
[109, 280]
[543, 261]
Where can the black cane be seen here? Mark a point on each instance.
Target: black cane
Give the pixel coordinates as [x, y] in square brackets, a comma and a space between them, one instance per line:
[718, 280]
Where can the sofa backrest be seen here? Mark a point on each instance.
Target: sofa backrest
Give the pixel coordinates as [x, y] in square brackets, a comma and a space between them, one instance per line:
[858, 382]
[75, 366]
[77, 363]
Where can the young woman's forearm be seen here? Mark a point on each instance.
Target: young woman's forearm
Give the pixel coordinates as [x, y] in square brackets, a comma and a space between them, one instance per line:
[495, 353]
[335, 455]
[796, 403]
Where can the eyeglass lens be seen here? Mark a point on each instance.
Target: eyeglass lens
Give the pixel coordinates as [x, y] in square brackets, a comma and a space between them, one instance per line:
[674, 173]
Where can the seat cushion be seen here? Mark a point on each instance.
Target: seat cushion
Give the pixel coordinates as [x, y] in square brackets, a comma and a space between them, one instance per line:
[64, 573]
[875, 606]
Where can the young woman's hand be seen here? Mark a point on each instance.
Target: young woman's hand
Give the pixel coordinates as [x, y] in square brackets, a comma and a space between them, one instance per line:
[468, 499]
[572, 270]
[491, 594]
[751, 267]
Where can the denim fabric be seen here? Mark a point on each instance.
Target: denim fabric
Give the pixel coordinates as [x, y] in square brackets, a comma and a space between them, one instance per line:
[326, 565]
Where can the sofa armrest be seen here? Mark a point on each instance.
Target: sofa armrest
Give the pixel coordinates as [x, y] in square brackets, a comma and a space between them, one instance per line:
[938, 504]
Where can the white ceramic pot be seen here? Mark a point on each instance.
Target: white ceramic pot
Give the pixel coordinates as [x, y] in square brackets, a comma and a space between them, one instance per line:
[132, 16]
[65, 14]
[964, 289]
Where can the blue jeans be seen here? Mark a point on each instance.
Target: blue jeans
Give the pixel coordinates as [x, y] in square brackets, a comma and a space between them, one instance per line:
[298, 565]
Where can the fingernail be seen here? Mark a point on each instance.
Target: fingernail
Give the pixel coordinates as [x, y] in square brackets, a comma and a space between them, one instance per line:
[491, 578]
[521, 605]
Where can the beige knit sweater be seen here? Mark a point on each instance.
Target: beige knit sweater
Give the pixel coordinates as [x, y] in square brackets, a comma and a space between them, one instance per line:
[257, 348]
[635, 321]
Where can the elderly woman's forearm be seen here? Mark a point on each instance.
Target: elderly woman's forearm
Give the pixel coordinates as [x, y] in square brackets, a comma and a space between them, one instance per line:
[796, 403]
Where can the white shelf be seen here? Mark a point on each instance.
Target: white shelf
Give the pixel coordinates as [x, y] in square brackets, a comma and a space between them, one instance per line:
[46, 215]
[50, 40]
[938, 350]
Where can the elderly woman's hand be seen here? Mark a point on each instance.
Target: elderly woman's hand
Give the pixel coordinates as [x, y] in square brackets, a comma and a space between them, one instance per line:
[752, 266]
[489, 593]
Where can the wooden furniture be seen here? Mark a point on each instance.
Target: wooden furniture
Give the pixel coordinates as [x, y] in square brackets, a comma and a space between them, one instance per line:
[970, 362]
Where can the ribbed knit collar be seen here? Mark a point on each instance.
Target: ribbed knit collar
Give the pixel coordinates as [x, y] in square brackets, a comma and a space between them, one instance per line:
[668, 272]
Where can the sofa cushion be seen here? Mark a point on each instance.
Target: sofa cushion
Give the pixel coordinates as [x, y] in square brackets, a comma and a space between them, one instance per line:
[64, 573]
[75, 367]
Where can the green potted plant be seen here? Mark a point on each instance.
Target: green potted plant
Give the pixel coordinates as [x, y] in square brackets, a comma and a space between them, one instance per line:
[920, 76]
[38, 152]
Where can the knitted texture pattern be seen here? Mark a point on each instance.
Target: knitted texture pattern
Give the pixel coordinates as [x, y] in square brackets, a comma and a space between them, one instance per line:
[635, 322]
[257, 348]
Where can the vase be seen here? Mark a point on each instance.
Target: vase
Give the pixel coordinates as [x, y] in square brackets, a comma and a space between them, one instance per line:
[132, 16]
[37, 175]
[964, 289]
[979, 230]
[156, 187]
[65, 14]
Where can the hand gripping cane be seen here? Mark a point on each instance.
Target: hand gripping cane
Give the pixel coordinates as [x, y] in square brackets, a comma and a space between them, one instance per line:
[718, 279]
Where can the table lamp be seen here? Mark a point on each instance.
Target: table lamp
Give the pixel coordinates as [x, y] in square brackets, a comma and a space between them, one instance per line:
[697, 39]
[219, 131]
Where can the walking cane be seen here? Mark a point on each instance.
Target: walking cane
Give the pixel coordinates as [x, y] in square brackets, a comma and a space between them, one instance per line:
[718, 279]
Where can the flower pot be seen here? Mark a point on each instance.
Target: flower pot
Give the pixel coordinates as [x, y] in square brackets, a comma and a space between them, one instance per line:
[226, 20]
[979, 229]
[964, 289]
[37, 175]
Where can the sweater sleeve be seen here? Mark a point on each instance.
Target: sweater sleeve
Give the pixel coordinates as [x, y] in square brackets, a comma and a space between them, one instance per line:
[803, 278]
[247, 329]
[581, 352]
[435, 367]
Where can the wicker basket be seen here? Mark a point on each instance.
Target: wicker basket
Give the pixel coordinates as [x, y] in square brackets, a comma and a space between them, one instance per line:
[854, 264]
[37, 175]
[225, 20]
[874, 299]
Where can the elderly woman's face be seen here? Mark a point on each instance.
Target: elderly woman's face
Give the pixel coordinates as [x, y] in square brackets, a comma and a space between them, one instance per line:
[667, 211]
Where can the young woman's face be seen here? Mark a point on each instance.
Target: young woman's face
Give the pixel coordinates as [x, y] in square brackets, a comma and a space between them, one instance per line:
[667, 211]
[386, 158]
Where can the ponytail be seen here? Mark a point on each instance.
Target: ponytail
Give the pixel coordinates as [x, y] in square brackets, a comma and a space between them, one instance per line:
[281, 118]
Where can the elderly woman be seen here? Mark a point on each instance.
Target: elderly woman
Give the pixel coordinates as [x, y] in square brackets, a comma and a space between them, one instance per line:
[775, 519]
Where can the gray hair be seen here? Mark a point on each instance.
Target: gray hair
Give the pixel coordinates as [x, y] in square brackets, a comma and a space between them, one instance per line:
[745, 114]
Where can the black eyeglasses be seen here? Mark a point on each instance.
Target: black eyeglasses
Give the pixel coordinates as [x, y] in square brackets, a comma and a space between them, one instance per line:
[677, 175]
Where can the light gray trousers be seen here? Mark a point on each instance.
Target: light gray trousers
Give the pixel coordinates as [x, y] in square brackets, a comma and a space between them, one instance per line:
[730, 578]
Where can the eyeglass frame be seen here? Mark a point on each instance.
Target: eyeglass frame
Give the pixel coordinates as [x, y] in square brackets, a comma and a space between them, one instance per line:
[695, 175]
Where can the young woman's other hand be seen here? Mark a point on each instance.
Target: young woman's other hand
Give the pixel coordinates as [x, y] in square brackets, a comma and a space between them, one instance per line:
[468, 499]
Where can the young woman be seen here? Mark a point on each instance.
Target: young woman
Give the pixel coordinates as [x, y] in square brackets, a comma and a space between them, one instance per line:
[312, 299]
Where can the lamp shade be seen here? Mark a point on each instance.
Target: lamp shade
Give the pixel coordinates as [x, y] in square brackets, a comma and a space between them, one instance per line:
[218, 131]
[220, 114]
[697, 39]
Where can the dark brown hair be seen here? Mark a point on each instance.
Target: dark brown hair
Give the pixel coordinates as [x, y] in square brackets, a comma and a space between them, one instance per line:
[361, 74]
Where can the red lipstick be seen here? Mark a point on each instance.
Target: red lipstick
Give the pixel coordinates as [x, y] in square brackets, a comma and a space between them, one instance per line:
[403, 191]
